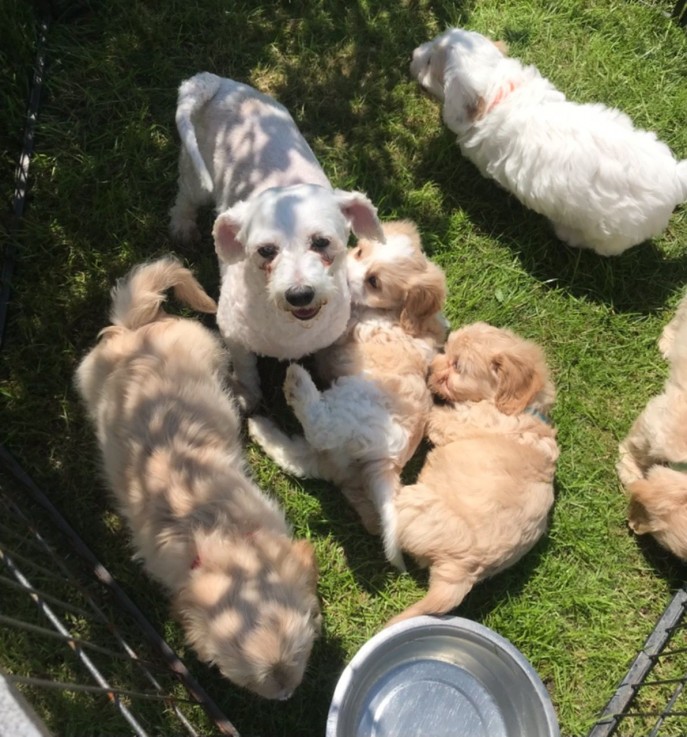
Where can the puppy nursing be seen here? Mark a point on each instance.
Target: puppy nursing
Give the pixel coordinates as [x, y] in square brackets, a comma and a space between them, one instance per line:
[361, 431]
[281, 231]
[169, 434]
[484, 494]
[604, 184]
[653, 456]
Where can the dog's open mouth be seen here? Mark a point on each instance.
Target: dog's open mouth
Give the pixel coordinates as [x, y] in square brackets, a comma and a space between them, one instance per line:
[306, 313]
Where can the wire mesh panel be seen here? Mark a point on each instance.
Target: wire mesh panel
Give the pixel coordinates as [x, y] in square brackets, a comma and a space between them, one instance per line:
[651, 701]
[82, 662]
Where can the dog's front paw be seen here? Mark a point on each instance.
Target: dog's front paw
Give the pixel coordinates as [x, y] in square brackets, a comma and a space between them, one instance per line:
[298, 385]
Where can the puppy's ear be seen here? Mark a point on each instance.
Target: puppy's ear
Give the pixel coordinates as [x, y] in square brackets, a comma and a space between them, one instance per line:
[225, 234]
[640, 521]
[424, 298]
[361, 214]
[502, 46]
[462, 105]
[518, 382]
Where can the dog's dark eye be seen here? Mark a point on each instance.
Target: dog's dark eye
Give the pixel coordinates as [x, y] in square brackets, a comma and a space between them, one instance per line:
[373, 281]
[319, 243]
[268, 252]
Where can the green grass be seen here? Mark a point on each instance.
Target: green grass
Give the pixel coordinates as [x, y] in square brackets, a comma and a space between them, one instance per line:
[103, 178]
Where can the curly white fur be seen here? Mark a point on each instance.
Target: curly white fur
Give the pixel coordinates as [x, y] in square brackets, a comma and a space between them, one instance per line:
[281, 231]
[604, 184]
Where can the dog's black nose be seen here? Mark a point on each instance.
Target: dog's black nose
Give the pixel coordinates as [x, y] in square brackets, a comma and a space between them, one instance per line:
[299, 296]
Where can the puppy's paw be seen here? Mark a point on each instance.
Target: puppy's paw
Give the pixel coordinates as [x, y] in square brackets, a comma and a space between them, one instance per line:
[299, 387]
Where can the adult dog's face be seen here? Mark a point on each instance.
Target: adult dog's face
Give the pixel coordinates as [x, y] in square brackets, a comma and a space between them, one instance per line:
[294, 242]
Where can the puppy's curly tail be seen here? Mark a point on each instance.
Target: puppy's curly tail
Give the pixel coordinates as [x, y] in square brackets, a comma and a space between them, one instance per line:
[383, 486]
[193, 94]
[443, 595]
[137, 298]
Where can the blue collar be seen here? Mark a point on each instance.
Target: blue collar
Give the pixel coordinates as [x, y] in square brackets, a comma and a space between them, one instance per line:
[541, 416]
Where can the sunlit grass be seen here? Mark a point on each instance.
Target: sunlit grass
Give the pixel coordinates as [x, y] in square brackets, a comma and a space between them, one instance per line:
[103, 179]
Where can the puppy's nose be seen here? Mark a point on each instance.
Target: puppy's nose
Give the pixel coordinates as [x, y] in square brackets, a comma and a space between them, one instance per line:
[299, 296]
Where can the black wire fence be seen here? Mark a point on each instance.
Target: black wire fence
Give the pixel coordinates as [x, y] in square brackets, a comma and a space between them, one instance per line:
[75, 644]
[651, 701]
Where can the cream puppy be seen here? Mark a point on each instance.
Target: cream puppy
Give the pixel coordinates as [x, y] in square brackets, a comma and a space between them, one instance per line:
[653, 456]
[361, 431]
[169, 434]
[604, 184]
[281, 231]
[485, 491]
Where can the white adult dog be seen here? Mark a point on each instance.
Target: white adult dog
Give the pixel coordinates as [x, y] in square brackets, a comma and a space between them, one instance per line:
[363, 429]
[604, 184]
[281, 232]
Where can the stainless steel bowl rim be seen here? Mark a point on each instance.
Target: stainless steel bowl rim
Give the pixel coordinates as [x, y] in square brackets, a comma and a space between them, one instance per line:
[443, 622]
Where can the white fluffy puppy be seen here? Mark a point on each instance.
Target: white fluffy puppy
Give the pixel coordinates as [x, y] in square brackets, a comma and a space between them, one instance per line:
[244, 590]
[361, 431]
[282, 230]
[604, 184]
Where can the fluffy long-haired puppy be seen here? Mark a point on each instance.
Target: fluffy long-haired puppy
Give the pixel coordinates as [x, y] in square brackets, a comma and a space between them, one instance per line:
[653, 456]
[483, 496]
[244, 590]
[604, 184]
[361, 431]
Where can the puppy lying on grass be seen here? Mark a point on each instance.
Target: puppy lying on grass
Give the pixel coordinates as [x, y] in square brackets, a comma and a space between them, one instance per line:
[361, 431]
[603, 183]
[281, 230]
[244, 591]
[484, 494]
[653, 456]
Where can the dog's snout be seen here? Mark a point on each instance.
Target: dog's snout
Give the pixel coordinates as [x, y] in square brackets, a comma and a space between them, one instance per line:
[299, 296]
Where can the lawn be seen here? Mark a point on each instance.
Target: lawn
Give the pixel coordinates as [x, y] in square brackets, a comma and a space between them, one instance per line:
[103, 178]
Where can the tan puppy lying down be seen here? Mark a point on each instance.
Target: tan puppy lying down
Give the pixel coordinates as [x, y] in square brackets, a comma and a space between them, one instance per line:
[653, 456]
[169, 436]
[483, 496]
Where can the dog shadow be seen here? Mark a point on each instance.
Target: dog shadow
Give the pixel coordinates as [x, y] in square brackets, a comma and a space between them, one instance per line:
[662, 562]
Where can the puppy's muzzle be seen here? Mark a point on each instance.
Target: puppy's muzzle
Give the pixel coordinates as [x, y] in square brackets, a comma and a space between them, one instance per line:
[300, 301]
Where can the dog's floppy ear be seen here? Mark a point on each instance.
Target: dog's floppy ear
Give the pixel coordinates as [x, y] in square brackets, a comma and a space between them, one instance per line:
[361, 214]
[424, 298]
[518, 382]
[463, 105]
[225, 234]
[502, 46]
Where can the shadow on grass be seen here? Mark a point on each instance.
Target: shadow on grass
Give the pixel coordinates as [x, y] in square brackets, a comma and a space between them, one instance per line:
[639, 280]
[664, 564]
